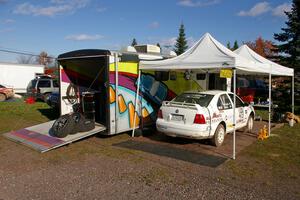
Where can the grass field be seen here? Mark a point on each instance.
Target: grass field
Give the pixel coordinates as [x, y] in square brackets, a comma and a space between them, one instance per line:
[16, 115]
[278, 156]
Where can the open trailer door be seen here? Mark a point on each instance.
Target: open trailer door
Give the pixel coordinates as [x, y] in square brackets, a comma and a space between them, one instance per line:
[39, 137]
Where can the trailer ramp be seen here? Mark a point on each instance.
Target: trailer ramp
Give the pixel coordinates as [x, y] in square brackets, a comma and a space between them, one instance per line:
[39, 137]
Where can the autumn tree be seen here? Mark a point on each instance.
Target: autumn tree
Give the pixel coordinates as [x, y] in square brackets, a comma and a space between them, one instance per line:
[44, 59]
[181, 42]
[263, 47]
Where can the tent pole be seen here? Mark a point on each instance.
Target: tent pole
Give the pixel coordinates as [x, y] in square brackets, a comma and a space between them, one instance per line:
[116, 92]
[293, 95]
[136, 101]
[234, 106]
[270, 103]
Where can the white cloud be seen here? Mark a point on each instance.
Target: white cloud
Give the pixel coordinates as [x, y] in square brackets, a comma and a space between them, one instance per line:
[8, 21]
[55, 8]
[83, 37]
[6, 30]
[154, 25]
[169, 42]
[193, 3]
[101, 9]
[279, 10]
[257, 9]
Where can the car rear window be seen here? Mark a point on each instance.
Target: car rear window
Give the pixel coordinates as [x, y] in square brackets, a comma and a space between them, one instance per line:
[44, 83]
[201, 99]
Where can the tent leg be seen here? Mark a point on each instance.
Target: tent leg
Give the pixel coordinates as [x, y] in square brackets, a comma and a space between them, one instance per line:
[234, 117]
[136, 101]
[293, 95]
[116, 92]
[270, 103]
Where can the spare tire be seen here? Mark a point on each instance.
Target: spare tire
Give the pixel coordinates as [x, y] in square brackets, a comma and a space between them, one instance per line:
[63, 126]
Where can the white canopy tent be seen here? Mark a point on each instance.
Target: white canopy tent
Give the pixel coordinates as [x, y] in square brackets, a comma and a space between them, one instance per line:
[275, 69]
[207, 55]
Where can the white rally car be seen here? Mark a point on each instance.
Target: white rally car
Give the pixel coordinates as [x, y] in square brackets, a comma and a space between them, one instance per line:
[203, 115]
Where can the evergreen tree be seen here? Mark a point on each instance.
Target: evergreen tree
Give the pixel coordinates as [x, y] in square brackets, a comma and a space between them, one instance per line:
[290, 38]
[228, 45]
[134, 42]
[181, 42]
[235, 45]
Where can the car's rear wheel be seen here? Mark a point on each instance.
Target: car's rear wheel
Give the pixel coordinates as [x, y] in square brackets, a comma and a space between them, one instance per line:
[219, 136]
[2, 97]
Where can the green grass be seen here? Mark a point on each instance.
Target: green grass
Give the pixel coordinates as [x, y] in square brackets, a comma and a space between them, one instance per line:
[16, 115]
[264, 114]
[277, 156]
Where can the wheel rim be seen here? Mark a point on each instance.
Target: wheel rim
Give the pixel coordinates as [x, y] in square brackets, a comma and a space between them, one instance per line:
[221, 135]
[250, 123]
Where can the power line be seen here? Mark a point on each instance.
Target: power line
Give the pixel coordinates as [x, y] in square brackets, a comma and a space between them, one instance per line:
[23, 53]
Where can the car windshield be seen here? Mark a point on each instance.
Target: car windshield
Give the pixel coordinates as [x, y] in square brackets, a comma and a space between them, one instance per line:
[201, 99]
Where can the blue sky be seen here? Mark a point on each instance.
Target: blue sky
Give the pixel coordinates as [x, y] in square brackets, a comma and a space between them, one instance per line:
[57, 26]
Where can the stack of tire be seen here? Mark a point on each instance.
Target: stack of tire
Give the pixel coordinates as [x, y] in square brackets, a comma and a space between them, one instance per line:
[75, 122]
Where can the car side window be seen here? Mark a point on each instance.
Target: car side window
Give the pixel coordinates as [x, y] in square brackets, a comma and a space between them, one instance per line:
[238, 102]
[224, 102]
[44, 84]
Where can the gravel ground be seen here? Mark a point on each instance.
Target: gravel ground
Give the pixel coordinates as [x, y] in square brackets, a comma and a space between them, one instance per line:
[100, 168]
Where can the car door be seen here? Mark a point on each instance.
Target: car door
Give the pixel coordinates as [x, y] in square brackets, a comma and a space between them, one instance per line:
[240, 111]
[225, 109]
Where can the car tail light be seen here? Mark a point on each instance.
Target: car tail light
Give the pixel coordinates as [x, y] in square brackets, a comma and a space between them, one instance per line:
[33, 90]
[199, 119]
[159, 114]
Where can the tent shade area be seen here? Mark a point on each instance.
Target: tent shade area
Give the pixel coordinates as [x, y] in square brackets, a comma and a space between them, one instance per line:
[208, 55]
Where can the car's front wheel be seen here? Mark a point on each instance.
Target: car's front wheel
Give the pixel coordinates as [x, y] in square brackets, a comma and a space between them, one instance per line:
[2, 97]
[219, 136]
[250, 124]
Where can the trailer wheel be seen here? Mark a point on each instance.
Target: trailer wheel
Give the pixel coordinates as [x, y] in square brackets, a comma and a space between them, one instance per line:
[63, 126]
[2, 97]
[219, 136]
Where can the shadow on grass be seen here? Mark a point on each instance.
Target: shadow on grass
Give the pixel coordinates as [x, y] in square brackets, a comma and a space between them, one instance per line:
[50, 113]
[175, 153]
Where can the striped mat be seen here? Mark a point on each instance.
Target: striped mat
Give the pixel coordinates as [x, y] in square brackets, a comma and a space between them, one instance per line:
[33, 139]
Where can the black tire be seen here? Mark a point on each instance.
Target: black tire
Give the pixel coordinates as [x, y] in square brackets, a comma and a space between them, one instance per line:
[63, 126]
[45, 97]
[77, 119]
[2, 97]
[219, 136]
